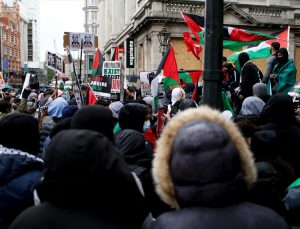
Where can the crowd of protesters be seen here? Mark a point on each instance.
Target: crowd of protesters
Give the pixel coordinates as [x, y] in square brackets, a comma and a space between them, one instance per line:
[106, 166]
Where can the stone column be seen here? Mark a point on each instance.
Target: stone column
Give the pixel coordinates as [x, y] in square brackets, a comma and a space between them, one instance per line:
[108, 20]
[102, 22]
[118, 16]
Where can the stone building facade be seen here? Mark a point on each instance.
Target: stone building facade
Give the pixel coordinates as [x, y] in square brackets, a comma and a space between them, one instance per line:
[142, 20]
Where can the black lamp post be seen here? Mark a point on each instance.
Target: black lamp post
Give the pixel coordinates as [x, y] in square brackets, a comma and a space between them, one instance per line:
[164, 38]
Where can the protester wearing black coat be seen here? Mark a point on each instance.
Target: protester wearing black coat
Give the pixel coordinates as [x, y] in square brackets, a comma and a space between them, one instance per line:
[203, 167]
[86, 182]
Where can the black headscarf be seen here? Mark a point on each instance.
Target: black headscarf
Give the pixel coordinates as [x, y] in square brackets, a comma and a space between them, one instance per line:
[285, 54]
[243, 58]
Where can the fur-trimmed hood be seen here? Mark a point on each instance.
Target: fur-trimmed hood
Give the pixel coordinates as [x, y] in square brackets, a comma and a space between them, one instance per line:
[176, 173]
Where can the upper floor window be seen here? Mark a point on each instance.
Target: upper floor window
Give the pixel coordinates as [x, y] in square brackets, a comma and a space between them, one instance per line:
[94, 29]
[93, 2]
[94, 15]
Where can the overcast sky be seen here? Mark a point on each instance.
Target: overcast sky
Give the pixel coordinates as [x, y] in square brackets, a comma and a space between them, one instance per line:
[57, 17]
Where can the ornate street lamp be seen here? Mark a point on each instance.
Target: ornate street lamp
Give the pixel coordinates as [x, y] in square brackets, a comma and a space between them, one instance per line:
[164, 38]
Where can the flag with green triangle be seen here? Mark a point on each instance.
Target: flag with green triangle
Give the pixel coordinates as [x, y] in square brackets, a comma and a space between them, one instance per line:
[97, 64]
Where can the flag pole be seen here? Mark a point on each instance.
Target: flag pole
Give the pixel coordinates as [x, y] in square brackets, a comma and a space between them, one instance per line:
[80, 60]
[213, 52]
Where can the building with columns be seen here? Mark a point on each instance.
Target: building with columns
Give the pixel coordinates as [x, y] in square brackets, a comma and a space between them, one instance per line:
[142, 20]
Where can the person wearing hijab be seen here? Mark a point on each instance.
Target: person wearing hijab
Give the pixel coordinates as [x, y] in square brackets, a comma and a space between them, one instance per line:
[278, 115]
[178, 94]
[284, 72]
[204, 168]
[86, 184]
[250, 75]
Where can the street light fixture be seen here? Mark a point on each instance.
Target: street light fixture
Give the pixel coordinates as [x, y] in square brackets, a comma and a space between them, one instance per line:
[164, 38]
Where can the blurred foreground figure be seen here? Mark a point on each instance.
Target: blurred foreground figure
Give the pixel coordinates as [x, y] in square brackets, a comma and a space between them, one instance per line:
[203, 167]
[86, 184]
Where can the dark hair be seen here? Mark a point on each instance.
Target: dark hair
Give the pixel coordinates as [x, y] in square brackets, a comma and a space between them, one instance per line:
[275, 45]
[4, 105]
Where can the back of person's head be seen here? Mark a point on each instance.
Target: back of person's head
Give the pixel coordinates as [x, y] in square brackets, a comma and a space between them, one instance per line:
[252, 105]
[56, 107]
[243, 58]
[186, 104]
[97, 118]
[115, 108]
[131, 144]
[278, 109]
[275, 45]
[5, 106]
[132, 116]
[260, 90]
[69, 111]
[20, 131]
[103, 102]
[85, 172]
[197, 149]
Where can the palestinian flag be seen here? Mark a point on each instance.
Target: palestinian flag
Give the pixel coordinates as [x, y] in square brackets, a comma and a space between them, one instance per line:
[97, 64]
[168, 67]
[190, 76]
[191, 46]
[235, 39]
[263, 49]
[92, 99]
[195, 23]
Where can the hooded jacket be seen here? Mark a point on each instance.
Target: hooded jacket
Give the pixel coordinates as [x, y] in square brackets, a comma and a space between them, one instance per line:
[19, 172]
[203, 167]
[84, 175]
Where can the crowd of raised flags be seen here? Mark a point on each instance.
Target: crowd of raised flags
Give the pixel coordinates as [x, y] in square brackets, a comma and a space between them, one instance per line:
[114, 159]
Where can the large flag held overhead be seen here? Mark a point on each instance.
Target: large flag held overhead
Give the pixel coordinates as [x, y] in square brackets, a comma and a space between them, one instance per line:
[263, 49]
[97, 64]
[191, 46]
[234, 38]
[168, 67]
[195, 23]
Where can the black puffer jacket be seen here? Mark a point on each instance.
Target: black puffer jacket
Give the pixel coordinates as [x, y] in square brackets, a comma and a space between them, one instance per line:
[203, 167]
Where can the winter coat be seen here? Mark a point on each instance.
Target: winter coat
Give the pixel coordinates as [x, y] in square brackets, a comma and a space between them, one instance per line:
[47, 215]
[48, 124]
[133, 148]
[203, 167]
[250, 75]
[19, 172]
[84, 175]
[278, 115]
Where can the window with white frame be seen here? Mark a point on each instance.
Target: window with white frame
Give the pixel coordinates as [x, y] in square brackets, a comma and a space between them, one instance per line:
[94, 15]
[94, 29]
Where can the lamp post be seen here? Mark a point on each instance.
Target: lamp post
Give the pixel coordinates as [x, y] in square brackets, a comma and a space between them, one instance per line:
[164, 38]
